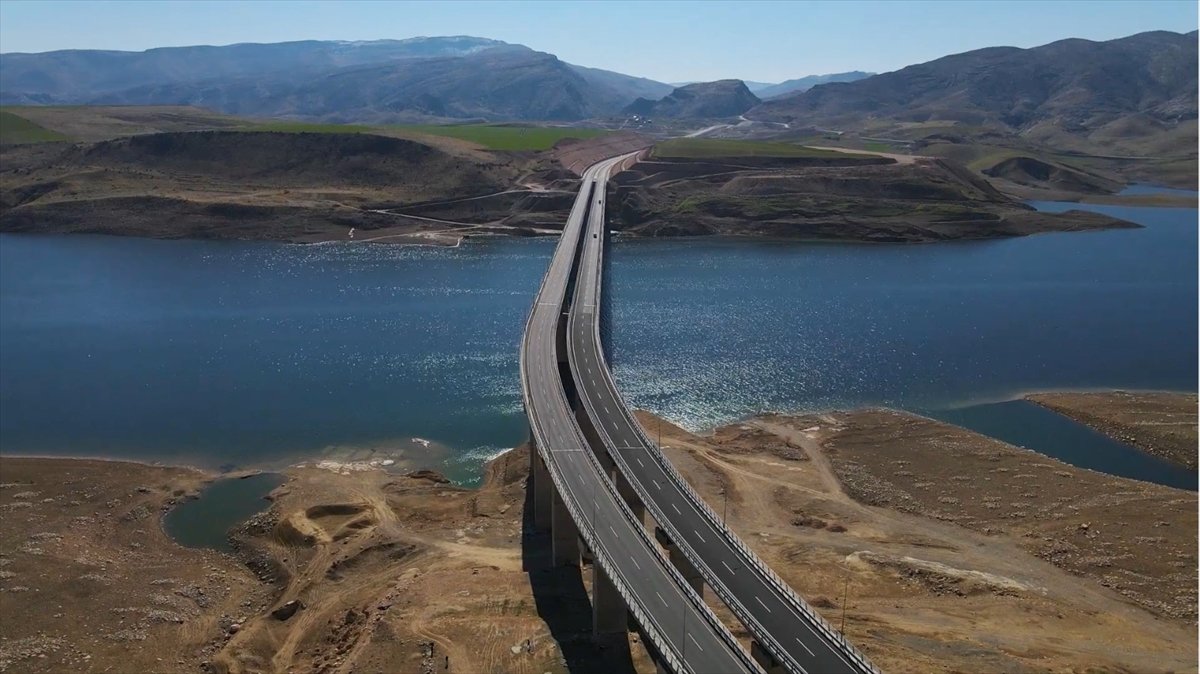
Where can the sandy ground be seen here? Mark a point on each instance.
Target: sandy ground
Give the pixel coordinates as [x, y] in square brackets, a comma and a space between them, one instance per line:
[950, 552]
[90, 583]
[1162, 424]
[955, 552]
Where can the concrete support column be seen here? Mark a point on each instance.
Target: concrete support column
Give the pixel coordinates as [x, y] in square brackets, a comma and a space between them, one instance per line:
[609, 615]
[680, 561]
[689, 572]
[543, 491]
[765, 660]
[630, 496]
[564, 535]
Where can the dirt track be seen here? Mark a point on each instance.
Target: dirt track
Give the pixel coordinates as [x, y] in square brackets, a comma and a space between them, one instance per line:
[953, 552]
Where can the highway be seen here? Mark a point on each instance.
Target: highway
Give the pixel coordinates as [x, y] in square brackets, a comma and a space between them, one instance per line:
[681, 627]
[778, 619]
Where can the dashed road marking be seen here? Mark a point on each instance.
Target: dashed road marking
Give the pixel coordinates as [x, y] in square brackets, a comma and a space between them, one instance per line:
[760, 603]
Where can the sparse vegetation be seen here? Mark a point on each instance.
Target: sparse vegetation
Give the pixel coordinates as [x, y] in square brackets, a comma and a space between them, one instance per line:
[504, 137]
[491, 136]
[695, 148]
[16, 130]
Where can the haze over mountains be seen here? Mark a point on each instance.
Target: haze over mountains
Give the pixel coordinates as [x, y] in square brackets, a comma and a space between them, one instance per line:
[1144, 84]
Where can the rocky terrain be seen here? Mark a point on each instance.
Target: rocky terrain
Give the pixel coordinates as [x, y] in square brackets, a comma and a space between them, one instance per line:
[835, 196]
[1000, 560]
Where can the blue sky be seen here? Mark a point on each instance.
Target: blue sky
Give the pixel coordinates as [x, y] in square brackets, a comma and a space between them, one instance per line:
[667, 41]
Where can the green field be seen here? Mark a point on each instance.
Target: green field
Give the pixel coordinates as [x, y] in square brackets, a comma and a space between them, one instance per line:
[493, 137]
[15, 129]
[697, 148]
[497, 137]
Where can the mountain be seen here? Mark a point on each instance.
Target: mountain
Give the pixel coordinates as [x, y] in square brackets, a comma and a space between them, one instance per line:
[73, 76]
[385, 80]
[754, 87]
[1142, 84]
[620, 89]
[723, 98]
[805, 83]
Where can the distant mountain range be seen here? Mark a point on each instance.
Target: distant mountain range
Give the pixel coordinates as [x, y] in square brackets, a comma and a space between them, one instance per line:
[384, 80]
[1142, 84]
[806, 83]
[1136, 85]
[705, 100]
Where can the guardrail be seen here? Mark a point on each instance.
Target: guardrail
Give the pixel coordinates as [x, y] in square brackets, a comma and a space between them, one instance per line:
[801, 607]
[600, 554]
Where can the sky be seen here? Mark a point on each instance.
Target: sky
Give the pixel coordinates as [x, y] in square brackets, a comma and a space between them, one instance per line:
[666, 41]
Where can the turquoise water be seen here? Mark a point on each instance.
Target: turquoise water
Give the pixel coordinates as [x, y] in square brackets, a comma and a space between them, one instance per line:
[225, 353]
[1024, 424]
[205, 522]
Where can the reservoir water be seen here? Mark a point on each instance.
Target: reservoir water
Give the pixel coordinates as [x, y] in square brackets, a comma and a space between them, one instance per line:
[205, 522]
[218, 353]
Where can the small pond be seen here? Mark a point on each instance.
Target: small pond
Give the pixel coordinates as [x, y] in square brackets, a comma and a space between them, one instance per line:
[205, 522]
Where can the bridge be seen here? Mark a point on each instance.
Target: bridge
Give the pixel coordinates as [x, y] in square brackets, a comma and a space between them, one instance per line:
[596, 476]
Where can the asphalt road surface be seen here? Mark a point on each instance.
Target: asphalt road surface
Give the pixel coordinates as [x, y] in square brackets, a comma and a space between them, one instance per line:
[670, 607]
[773, 616]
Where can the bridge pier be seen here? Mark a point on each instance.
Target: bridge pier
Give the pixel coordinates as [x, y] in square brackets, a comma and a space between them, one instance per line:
[764, 659]
[680, 561]
[543, 490]
[629, 494]
[609, 615]
[564, 535]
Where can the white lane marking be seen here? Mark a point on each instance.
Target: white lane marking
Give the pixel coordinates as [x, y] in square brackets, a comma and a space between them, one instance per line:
[760, 603]
[634, 560]
[656, 484]
[699, 536]
[726, 566]
[695, 642]
[614, 531]
[660, 598]
[639, 460]
[810, 653]
[676, 508]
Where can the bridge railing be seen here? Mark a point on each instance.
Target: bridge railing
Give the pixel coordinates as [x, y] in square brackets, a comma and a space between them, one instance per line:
[802, 607]
[653, 630]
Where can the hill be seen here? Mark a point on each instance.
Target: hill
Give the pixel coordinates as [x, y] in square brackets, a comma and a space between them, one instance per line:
[723, 98]
[235, 184]
[802, 84]
[704, 187]
[385, 80]
[1072, 94]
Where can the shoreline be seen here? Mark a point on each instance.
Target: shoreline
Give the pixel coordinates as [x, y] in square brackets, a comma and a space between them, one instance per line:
[999, 547]
[405, 468]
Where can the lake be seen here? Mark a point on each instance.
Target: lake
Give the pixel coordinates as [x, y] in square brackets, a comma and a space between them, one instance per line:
[259, 354]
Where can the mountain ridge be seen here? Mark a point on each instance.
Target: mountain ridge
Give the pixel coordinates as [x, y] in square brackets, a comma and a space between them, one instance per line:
[722, 98]
[1066, 89]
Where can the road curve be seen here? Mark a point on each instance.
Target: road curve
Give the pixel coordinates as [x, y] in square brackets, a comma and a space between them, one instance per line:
[778, 619]
[687, 635]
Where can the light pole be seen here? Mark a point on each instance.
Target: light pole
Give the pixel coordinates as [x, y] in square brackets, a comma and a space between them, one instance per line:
[845, 597]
